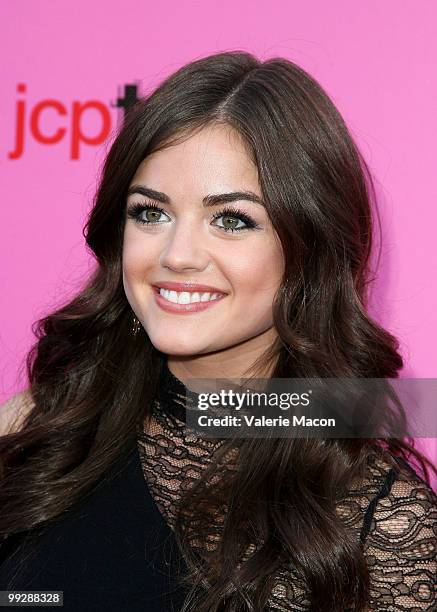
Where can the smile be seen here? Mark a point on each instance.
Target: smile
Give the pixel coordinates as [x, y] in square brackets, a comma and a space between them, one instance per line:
[186, 301]
[187, 297]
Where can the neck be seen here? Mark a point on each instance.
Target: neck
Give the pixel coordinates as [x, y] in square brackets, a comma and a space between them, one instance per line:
[233, 363]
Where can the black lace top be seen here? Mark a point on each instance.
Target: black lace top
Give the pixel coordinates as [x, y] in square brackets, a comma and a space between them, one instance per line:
[116, 550]
[393, 514]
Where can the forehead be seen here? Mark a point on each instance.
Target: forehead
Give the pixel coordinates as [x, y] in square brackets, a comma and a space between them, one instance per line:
[215, 157]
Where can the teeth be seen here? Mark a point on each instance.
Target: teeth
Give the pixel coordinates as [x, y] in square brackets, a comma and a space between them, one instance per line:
[187, 297]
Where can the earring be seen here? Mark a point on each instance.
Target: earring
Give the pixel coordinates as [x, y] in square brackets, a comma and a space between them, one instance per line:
[136, 326]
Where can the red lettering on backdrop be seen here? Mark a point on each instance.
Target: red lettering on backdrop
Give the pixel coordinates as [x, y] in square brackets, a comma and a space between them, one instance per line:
[77, 135]
[34, 122]
[19, 126]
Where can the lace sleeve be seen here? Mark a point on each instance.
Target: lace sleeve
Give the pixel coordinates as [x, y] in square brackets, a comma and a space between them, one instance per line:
[394, 515]
[401, 547]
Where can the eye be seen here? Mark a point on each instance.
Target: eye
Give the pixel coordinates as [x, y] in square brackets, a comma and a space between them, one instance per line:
[136, 211]
[235, 215]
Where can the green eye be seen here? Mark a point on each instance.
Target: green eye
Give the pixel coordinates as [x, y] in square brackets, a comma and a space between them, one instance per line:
[229, 228]
[152, 211]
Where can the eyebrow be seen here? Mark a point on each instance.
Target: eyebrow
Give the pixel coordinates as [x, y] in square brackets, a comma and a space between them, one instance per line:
[209, 200]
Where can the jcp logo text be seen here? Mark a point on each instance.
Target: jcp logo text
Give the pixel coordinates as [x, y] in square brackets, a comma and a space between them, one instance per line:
[69, 120]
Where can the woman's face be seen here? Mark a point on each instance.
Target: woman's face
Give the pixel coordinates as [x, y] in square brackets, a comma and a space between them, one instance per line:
[189, 242]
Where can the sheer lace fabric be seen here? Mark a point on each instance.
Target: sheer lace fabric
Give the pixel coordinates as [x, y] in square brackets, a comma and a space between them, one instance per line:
[393, 513]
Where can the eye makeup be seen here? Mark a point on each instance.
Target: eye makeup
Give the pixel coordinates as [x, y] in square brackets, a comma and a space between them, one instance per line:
[136, 209]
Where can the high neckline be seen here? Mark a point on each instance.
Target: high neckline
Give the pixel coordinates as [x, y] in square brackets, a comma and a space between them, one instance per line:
[172, 393]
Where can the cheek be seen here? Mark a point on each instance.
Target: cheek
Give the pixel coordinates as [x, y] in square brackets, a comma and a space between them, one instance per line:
[136, 257]
[259, 274]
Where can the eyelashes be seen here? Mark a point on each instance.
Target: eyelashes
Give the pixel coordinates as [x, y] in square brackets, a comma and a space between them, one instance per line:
[135, 211]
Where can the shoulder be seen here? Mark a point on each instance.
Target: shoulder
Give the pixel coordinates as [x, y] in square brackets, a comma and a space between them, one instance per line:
[14, 411]
[401, 539]
[404, 502]
[401, 487]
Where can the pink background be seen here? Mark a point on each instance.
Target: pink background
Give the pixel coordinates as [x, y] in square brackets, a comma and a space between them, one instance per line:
[375, 59]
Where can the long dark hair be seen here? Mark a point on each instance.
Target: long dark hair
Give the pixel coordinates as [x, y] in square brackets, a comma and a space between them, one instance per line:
[92, 381]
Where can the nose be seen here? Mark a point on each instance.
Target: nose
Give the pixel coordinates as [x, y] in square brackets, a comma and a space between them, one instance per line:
[185, 248]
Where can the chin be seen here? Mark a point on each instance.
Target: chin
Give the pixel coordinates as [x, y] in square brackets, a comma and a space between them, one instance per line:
[173, 346]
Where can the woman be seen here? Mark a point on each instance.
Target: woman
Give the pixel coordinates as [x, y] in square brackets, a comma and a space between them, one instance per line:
[235, 178]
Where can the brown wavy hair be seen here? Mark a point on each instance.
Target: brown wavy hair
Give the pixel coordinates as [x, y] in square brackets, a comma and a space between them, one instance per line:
[93, 382]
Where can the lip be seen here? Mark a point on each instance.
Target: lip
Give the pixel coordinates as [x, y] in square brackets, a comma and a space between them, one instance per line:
[187, 286]
[184, 308]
